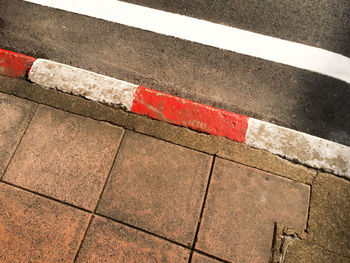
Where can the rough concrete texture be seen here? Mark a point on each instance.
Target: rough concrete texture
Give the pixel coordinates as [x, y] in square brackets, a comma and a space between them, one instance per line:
[65, 156]
[283, 238]
[329, 221]
[312, 22]
[272, 92]
[107, 241]
[242, 205]
[82, 83]
[35, 229]
[265, 161]
[288, 143]
[164, 191]
[304, 148]
[328, 225]
[13, 64]
[198, 258]
[15, 116]
[307, 252]
[199, 141]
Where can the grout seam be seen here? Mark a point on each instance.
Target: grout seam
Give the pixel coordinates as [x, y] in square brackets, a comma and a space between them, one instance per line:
[202, 209]
[19, 142]
[109, 173]
[309, 206]
[211, 256]
[142, 230]
[165, 140]
[98, 214]
[83, 239]
[47, 197]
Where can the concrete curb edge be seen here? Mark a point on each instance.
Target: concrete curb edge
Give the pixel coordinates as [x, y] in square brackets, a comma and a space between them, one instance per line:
[290, 144]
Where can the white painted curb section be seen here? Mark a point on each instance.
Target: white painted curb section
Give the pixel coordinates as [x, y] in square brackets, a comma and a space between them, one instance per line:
[293, 145]
[83, 83]
[211, 34]
[298, 146]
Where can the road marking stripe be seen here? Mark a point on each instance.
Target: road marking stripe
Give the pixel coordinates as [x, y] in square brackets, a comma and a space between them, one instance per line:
[211, 34]
[13, 64]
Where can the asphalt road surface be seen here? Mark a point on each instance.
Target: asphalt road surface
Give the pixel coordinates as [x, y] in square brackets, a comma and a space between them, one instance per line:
[281, 94]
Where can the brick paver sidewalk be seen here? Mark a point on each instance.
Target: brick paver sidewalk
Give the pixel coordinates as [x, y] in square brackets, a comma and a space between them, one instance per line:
[77, 189]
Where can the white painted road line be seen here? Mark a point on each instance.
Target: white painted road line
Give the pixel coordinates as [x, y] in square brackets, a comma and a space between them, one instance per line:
[83, 83]
[211, 34]
[298, 146]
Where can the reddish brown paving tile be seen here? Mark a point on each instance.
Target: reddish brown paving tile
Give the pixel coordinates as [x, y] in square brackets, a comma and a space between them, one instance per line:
[198, 258]
[108, 241]
[36, 229]
[242, 205]
[15, 116]
[157, 186]
[65, 156]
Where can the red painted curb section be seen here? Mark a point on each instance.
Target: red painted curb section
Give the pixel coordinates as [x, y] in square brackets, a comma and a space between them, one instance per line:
[196, 116]
[13, 64]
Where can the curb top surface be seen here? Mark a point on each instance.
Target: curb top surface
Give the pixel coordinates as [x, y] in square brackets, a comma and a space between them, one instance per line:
[304, 148]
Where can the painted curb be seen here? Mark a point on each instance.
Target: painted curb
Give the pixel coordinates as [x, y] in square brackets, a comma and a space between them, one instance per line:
[300, 147]
[196, 116]
[13, 64]
[293, 145]
[83, 83]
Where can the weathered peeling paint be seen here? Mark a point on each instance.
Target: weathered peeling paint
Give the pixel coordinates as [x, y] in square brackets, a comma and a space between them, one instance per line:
[189, 114]
[304, 148]
[13, 64]
[83, 83]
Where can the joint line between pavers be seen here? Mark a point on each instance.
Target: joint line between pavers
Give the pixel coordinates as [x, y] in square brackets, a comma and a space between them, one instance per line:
[24, 133]
[46, 197]
[141, 229]
[309, 206]
[83, 239]
[274, 241]
[109, 173]
[202, 209]
[95, 214]
[131, 128]
[211, 256]
[267, 170]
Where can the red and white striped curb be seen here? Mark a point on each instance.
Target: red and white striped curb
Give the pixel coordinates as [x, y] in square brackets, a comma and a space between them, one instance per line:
[291, 144]
[13, 64]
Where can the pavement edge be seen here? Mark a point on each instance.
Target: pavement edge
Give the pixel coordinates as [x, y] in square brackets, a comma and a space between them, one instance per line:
[293, 145]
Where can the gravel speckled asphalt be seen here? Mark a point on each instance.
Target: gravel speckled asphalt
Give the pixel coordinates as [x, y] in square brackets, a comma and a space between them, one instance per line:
[290, 97]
